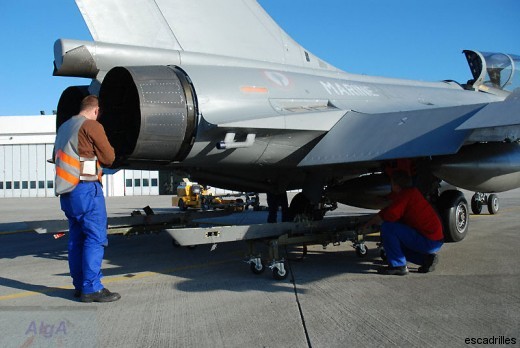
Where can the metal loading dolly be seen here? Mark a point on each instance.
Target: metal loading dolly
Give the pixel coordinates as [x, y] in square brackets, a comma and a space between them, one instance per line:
[331, 230]
[316, 235]
[184, 228]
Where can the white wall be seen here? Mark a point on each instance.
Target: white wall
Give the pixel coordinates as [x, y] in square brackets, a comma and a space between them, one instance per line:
[141, 183]
[27, 142]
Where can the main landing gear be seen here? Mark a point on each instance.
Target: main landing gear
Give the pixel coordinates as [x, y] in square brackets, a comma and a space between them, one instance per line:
[454, 213]
[480, 199]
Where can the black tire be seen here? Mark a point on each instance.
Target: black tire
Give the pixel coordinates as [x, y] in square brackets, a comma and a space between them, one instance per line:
[278, 275]
[493, 204]
[256, 270]
[182, 205]
[476, 205]
[240, 205]
[361, 252]
[454, 213]
[300, 205]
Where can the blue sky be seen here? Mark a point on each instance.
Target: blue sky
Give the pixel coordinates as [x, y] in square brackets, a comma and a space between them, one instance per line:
[413, 39]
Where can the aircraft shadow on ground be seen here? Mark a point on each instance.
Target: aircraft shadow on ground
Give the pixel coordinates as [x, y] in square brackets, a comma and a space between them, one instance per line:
[194, 270]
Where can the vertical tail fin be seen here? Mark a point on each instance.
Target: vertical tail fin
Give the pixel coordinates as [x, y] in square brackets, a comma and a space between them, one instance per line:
[235, 28]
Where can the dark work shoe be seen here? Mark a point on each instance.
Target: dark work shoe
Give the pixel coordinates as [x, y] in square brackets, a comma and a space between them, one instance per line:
[430, 261]
[77, 293]
[103, 295]
[389, 270]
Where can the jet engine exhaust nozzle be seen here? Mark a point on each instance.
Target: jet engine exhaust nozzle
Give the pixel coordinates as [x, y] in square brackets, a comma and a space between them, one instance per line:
[149, 113]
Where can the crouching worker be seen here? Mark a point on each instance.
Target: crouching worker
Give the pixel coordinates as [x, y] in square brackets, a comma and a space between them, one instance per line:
[410, 229]
[81, 144]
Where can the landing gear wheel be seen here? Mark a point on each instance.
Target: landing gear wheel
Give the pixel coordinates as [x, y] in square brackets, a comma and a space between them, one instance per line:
[279, 274]
[493, 204]
[303, 209]
[454, 212]
[300, 206]
[476, 204]
[257, 268]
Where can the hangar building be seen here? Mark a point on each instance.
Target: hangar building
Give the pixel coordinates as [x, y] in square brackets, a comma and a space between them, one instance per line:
[26, 143]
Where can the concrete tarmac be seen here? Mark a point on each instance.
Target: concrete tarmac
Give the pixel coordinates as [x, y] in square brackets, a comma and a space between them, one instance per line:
[179, 297]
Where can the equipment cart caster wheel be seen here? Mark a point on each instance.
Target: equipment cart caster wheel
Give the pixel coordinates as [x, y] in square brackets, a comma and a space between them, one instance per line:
[279, 274]
[257, 268]
[361, 250]
[279, 270]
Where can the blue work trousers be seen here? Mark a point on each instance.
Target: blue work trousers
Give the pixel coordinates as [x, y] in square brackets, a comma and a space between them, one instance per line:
[86, 211]
[402, 243]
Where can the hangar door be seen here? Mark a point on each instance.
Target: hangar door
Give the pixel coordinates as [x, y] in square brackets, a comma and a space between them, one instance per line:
[25, 172]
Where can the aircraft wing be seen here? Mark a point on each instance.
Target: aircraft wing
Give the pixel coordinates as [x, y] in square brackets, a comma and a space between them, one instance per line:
[496, 121]
[359, 137]
[242, 29]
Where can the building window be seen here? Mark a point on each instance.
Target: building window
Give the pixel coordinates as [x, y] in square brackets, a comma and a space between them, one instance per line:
[50, 184]
[41, 184]
[33, 184]
[16, 185]
[154, 182]
[137, 182]
[25, 185]
[146, 182]
[128, 183]
[8, 185]
[1, 185]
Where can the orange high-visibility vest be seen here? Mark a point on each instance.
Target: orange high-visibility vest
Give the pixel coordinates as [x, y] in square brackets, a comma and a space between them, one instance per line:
[69, 164]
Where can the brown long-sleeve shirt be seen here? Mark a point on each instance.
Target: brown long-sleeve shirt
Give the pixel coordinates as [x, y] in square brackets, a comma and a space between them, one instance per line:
[92, 141]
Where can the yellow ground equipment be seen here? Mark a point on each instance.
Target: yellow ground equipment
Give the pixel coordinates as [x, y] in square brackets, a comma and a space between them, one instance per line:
[189, 195]
[193, 195]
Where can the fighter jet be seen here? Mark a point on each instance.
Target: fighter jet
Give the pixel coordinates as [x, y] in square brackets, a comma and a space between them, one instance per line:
[217, 90]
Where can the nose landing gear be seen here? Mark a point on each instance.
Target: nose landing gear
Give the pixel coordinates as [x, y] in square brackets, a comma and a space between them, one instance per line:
[480, 199]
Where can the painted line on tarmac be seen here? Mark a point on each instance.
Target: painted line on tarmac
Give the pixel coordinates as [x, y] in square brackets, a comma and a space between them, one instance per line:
[116, 279]
[141, 275]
